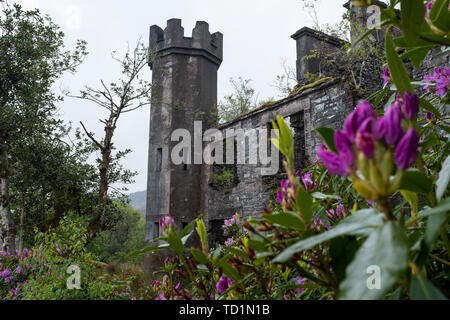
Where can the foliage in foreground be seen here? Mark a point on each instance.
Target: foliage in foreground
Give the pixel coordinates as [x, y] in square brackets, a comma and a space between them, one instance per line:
[368, 222]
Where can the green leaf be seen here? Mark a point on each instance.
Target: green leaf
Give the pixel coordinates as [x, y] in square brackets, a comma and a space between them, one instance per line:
[416, 181]
[188, 228]
[327, 135]
[285, 142]
[236, 252]
[361, 38]
[175, 244]
[342, 251]
[424, 103]
[397, 68]
[201, 231]
[185, 238]
[385, 248]
[146, 250]
[444, 206]
[199, 256]
[439, 14]
[417, 55]
[412, 199]
[444, 178]
[285, 219]
[422, 289]
[322, 196]
[413, 17]
[360, 223]
[304, 204]
[434, 225]
[229, 271]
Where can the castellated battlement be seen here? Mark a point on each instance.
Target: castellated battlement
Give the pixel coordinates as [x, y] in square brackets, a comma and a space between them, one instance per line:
[171, 40]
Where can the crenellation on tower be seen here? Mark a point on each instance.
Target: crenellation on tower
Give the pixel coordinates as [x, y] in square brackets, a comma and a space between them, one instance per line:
[171, 40]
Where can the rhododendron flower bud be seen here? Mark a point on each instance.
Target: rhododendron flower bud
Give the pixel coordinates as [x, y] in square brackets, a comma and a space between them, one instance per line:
[280, 196]
[410, 105]
[356, 118]
[364, 138]
[386, 76]
[366, 144]
[428, 7]
[392, 125]
[166, 224]
[332, 161]
[430, 117]
[406, 151]
[379, 129]
[344, 146]
[307, 181]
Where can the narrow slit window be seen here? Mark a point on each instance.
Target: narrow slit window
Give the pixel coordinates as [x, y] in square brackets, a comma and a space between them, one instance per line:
[156, 230]
[159, 160]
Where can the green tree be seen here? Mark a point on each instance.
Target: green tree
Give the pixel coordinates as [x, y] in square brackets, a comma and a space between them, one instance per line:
[32, 57]
[128, 94]
[50, 178]
[242, 100]
[126, 236]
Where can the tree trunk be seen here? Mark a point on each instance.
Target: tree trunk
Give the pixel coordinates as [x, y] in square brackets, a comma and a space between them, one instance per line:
[22, 215]
[97, 224]
[8, 227]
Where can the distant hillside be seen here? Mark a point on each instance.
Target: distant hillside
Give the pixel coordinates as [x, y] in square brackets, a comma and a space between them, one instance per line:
[138, 201]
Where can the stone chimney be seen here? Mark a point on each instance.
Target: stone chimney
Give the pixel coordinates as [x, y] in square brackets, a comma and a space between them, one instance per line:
[310, 42]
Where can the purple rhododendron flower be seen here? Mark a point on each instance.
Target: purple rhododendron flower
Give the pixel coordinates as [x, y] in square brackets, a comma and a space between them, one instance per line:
[332, 161]
[410, 105]
[223, 284]
[166, 222]
[155, 283]
[282, 194]
[320, 225]
[160, 297]
[299, 280]
[6, 273]
[338, 214]
[307, 181]
[428, 7]
[230, 222]
[386, 76]
[405, 153]
[430, 116]
[441, 79]
[229, 242]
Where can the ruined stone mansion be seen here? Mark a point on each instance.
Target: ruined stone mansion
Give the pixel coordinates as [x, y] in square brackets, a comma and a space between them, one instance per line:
[184, 71]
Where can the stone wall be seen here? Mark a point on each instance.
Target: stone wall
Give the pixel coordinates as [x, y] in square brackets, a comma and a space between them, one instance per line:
[326, 104]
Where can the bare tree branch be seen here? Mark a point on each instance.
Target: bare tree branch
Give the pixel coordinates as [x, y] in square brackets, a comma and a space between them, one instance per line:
[91, 136]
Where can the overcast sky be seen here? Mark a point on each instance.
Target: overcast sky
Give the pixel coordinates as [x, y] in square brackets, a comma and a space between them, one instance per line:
[256, 41]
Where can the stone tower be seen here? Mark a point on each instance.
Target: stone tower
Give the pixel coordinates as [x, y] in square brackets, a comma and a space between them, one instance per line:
[184, 75]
